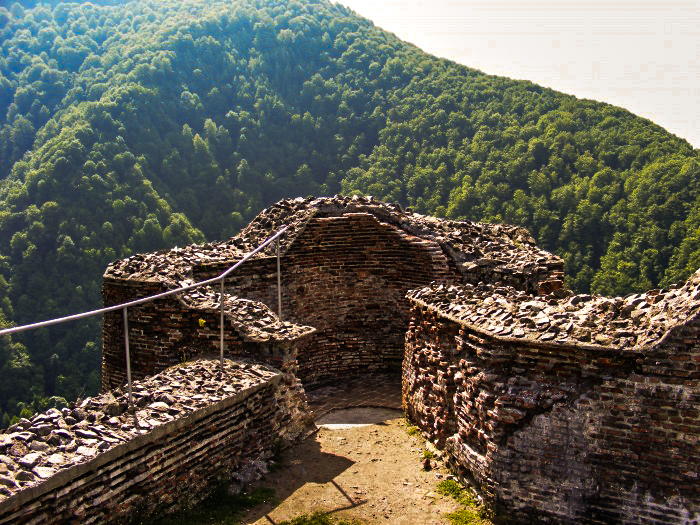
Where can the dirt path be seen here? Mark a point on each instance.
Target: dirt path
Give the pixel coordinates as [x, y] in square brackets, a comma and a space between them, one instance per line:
[360, 464]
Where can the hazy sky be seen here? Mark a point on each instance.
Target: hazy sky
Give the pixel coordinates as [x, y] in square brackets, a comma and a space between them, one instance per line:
[638, 54]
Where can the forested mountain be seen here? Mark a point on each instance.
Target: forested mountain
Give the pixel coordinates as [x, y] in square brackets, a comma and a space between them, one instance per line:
[138, 126]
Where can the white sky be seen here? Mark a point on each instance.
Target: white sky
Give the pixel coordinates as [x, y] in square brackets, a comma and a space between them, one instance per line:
[642, 55]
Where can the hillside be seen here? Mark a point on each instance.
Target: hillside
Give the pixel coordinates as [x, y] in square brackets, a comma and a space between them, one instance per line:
[135, 127]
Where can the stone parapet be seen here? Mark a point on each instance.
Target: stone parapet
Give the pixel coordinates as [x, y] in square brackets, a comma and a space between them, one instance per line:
[558, 429]
[480, 252]
[637, 320]
[192, 426]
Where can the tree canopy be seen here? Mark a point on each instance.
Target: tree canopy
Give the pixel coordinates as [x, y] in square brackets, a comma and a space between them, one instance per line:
[130, 127]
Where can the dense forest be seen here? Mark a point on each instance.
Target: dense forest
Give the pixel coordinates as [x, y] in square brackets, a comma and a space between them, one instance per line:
[137, 126]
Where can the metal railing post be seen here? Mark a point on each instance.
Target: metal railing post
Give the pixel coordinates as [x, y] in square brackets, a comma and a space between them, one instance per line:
[222, 326]
[279, 283]
[136, 302]
[128, 357]
[168, 293]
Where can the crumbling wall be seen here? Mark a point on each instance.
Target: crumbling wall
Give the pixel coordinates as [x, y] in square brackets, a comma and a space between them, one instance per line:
[429, 365]
[193, 426]
[570, 433]
[113, 346]
[346, 264]
[347, 277]
[171, 330]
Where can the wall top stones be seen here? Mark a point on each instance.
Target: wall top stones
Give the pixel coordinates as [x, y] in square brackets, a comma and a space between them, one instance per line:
[34, 452]
[508, 249]
[254, 321]
[634, 321]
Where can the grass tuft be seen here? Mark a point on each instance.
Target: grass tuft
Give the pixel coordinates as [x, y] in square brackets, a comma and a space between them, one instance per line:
[220, 508]
[466, 517]
[318, 518]
[411, 429]
[472, 514]
[453, 489]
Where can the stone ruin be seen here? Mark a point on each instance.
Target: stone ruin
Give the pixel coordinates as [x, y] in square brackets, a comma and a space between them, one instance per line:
[192, 425]
[561, 408]
[346, 267]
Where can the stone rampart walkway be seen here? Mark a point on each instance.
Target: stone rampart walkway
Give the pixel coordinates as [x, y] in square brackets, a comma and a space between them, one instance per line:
[372, 390]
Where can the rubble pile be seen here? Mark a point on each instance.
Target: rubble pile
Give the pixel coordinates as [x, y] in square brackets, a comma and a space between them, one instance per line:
[174, 267]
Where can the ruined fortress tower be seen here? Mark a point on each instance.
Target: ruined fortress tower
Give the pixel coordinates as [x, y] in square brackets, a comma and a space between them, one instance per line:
[346, 267]
[563, 408]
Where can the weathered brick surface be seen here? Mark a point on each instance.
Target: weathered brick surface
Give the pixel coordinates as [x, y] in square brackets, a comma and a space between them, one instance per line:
[166, 455]
[428, 376]
[560, 432]
[348, 277]
[173, 329]
[346, 267]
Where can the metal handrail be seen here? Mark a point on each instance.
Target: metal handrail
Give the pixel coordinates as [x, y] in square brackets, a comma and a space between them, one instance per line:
[136, 302]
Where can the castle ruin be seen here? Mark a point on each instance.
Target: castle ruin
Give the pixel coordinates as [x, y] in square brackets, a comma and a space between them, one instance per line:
[563, 408]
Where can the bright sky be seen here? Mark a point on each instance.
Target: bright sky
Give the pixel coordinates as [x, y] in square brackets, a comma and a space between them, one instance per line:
[642, 55]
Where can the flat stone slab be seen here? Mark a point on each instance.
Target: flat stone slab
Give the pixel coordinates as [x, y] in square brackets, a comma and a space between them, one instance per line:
[357, 417]
[369, 391]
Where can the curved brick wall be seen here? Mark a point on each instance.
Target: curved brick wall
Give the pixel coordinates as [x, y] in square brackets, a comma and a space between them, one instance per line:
[348, 277]
[563, 432]
[346, 267]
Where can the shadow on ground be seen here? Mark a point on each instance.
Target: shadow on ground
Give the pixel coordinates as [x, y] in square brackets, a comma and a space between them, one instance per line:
[309, 477]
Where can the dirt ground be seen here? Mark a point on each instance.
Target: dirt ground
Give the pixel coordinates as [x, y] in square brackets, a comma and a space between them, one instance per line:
[360, 464]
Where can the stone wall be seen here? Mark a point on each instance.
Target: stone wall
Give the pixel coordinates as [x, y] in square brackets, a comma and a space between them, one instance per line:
[348, 277]
[174, 329]
[346, 266]
[194, 426]
[562, 432]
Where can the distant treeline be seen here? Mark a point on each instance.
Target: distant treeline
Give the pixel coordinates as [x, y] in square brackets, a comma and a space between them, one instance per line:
[135, 127]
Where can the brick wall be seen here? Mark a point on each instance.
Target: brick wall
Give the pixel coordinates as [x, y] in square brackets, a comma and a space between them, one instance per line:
[169, 331]
[113, 348]
[156, 465]
[561, 433]
[347, 277]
